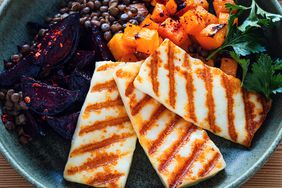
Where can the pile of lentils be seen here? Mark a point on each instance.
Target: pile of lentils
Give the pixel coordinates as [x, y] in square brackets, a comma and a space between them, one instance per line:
[13, 113]
[12, 102]
[110, 15]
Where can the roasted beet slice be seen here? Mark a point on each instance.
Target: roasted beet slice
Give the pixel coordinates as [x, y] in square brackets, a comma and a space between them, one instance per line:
[26, 67]
[80, 82]
[100, 45]
[33, 127]
[59, 42]
[65, 125]
[44, 99]
[83, 61]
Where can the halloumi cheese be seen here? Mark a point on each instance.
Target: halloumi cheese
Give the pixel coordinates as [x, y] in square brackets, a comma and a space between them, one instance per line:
[104, 140]
[181, 153]
[203, 95]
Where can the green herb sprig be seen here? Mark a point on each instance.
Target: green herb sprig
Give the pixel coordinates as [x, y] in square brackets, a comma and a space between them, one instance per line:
[246, 38]
[265, 76]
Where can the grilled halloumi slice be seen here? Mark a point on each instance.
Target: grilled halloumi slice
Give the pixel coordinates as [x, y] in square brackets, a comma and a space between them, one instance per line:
[104, 140]
[181, 153]
[203, 95]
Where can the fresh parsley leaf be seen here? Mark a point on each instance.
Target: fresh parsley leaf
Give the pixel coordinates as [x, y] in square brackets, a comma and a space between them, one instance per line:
[235, 7]
[244, 63]
[244, 40]
[248, 44]
[243, 43]
[277, 65]
[268, 15]
[264, 76]
[258, 18]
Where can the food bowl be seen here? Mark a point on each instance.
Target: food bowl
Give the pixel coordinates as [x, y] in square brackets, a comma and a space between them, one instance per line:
[42, 161]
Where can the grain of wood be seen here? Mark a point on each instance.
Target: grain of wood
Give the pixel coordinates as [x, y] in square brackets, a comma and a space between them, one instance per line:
[270, 176]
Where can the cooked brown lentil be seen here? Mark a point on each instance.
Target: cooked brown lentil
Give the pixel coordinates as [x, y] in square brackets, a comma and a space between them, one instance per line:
[110, 15]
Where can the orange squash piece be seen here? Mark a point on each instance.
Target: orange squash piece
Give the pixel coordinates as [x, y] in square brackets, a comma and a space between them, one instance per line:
[149, 23]
[210, 62]
[147, 41]
[173, 30]
[192, 22]
[229, 66]
[120, 50]
[171, 7]
[153, 2]
[212, 36]
[159, 13]
[129, 35]
[208, 17]
[219, 6]
[203, 3]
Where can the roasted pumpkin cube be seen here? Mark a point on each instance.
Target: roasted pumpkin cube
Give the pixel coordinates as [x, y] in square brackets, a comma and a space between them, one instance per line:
[204, 14]
[171, 7]
[229, 66]
[212, 36]
[209, 62]
[147, 41]
[173, 30]
[159, 13]
[202, 3]
[129, 35]
[118, 47]
[149, 23]
[219, 6]
[192, 23]
[153, 2]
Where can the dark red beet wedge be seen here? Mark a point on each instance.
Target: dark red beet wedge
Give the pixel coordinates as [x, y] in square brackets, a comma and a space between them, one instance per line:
[65, 125]
[46, 100]
[100, 45]
[26, 67]
[83, 61]
[59, 42]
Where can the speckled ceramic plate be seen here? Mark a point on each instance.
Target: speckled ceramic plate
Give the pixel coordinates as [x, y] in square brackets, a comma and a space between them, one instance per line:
[42, 162]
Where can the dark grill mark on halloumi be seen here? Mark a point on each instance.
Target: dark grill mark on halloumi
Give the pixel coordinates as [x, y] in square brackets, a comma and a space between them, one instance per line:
[101, 160]
[106, 178]
[208, 79]
[171, 70]
[176, 147]
[190, 89]
[249, 116]
[154, 73]
[156, 114]
[159, 141]
[183, 170]
[109, 85]
[136, 109]
[230, 104]
[98, 125]
[209, 166]
[101, 144]
[107, 104]
[129, 90]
